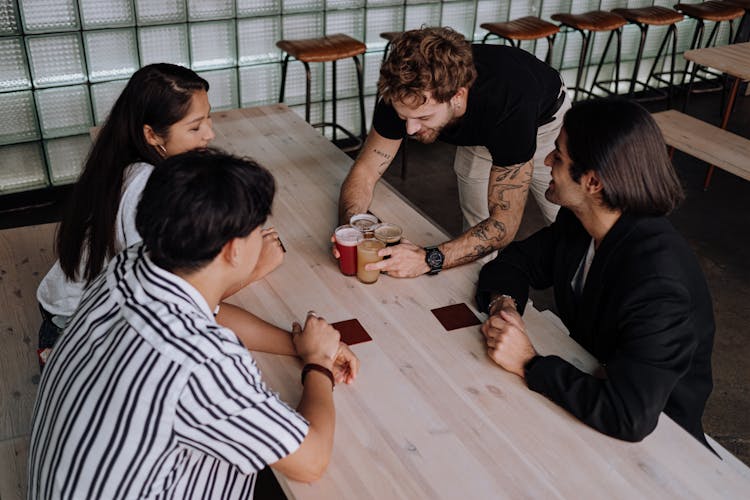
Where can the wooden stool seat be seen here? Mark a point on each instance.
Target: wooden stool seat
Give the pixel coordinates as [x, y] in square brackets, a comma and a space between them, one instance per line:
[525, 28]
[655, 16]
[711, 11]
[325, 49]
[596, 20]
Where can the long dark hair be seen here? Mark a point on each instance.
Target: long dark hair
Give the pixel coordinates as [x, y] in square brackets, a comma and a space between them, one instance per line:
[621, 142]
[157, 95]
[196, 202]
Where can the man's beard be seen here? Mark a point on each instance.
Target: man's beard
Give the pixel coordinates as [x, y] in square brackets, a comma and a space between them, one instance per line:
[430, 135]
[427, 136]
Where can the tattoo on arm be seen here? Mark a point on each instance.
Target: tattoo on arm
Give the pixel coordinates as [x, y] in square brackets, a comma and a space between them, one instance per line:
[386, 160]
[490, 233]
[499, 185]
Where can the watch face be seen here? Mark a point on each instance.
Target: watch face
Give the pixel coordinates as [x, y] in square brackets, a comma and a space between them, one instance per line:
[435, 258]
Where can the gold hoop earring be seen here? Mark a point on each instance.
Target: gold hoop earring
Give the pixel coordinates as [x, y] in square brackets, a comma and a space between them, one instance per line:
[162, 150]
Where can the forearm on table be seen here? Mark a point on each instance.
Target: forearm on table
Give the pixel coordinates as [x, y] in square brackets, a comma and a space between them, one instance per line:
[255, 333]
[310, 460]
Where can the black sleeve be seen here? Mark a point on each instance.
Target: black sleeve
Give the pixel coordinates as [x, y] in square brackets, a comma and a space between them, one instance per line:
[386, 122]
[655, 348]
[520, 265]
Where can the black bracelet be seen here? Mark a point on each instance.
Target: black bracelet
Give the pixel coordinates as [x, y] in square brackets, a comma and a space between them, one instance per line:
[318, 368]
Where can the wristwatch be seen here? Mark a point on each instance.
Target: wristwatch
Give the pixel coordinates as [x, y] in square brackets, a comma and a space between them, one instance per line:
[434, 258]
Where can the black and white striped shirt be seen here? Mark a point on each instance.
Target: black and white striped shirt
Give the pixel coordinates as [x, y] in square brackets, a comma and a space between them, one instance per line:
[145, 396]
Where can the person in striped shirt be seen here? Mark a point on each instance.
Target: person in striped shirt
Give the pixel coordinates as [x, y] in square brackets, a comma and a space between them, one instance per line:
[146, 395]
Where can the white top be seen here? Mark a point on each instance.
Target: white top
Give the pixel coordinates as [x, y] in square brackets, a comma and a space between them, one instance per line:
[56, 293]
[146, 396]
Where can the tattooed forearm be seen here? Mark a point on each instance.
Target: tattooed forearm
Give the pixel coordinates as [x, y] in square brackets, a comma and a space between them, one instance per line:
[478, 252]
[489, 230]
[498, 187]
[383, 166]
[506, 173]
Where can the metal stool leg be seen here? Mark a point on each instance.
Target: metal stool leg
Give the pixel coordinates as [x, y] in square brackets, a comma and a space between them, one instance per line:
[671, 31]
[283, 78]
[644, 30]
[581, 61]
[360, 84]
[601, 62]
[308, 81]
[333, 102]
[550, 45]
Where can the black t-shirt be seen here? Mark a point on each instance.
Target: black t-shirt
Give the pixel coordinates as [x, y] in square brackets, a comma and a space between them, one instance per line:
[513, 92]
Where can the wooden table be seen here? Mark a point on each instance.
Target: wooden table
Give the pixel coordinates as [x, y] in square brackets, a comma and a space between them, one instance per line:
[430, 416]
[734, 60]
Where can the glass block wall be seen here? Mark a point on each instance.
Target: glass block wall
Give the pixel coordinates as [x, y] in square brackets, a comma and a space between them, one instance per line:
[64, 62]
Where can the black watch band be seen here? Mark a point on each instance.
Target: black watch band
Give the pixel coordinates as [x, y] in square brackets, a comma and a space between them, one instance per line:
[434, 259]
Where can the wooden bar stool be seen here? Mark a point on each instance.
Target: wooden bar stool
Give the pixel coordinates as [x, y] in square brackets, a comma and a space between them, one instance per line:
[321, 50]
[587, 24]
[525, 28]
[644, 18]
[717, 12]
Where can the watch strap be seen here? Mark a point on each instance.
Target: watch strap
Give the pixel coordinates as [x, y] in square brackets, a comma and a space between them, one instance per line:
[317, 368]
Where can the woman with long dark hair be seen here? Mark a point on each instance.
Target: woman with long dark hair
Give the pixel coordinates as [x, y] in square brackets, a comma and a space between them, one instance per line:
[163, 111]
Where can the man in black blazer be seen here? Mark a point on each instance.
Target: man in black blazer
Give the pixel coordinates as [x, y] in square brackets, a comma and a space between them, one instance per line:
[626, 284]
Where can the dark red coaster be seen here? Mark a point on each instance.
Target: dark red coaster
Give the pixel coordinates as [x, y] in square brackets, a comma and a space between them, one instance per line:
[351, 332]
[455, 316]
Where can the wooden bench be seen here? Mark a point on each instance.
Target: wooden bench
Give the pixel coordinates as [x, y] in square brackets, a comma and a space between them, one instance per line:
[707, 142]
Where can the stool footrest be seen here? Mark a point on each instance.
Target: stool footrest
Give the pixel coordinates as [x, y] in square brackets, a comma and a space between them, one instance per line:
[661, 93]
[350, 135]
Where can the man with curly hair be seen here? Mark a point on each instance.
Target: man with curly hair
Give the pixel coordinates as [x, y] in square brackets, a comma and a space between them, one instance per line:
[501, 105]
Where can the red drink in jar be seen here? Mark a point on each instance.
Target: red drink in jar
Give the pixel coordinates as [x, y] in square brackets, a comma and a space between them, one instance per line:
[347, 238]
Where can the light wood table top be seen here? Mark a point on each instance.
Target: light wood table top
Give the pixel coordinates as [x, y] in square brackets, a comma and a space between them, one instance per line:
[430, 416]
[731, 59]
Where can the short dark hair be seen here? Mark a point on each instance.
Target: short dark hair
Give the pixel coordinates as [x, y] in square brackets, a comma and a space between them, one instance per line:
[435, 60]
[621, 142]
[196, 202]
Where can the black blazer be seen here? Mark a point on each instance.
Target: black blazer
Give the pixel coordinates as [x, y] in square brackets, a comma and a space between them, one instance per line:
[645, 313]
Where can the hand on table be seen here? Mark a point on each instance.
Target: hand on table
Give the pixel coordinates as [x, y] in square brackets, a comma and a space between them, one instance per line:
[318, 342]
[346, 365]
[507, 342]
[271, 255]
[407, 261]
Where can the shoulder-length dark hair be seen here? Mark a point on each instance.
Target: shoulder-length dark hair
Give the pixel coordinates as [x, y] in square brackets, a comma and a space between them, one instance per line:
[157, 95]
[622, 143]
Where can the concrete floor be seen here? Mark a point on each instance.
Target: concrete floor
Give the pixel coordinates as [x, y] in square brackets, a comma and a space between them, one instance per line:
[715, 222]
